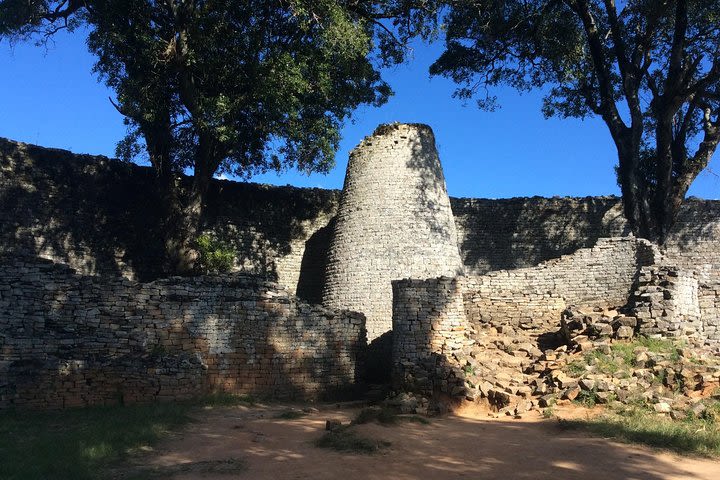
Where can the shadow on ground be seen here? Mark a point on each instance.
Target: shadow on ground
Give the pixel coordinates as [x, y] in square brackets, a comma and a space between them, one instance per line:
[451, 447]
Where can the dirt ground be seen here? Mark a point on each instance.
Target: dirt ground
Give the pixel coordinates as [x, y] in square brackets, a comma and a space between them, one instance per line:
[468, 445]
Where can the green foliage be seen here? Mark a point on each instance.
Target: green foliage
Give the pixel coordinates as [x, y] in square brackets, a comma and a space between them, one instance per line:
[76, 443]
[576, 368]
[290, 415]
[620, 61]
[608, 364]
[228, 85]
[638, 425]
[549, 412]
[622, 355]
[215, 255]
[81, 443]
[345, 439]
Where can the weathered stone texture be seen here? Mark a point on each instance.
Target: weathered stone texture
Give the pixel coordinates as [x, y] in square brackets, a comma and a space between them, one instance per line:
[67, 339]
[505, 234]
[100, 216]
[394, 221]
[601, 275]
[429, 326]
[667, 302]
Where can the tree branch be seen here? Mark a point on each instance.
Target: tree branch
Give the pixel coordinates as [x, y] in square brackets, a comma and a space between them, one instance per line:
[607, 102]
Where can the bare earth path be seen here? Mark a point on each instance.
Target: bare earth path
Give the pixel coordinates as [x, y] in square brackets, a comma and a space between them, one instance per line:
[455, 447]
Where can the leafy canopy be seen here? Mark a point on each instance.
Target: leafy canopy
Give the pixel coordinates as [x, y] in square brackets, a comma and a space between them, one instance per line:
[649, 68]
[264, 81]
[260, 84]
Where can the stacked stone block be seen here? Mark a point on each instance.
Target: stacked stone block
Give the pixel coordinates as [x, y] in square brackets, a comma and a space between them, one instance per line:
[429, 329]
[98, 216]
[67, 339]
[535, 297]
[394, 221]
[666, 303]
[521, 232]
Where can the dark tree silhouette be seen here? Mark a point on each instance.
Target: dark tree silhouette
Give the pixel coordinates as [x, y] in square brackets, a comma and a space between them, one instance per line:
[649, 68]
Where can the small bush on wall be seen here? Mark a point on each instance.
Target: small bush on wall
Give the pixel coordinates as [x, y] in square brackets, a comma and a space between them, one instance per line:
[215, 256]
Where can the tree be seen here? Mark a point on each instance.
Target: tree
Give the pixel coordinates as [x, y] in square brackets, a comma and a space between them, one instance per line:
[649, 68]
[225, 85]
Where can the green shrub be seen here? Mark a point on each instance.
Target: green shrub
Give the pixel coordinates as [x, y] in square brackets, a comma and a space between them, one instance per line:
[699, 436]
[216, 256]
[345, 439]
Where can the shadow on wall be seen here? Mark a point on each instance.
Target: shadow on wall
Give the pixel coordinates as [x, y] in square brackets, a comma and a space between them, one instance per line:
[72, 340]
[429, 328]
[269, 228]
[102, 216]
[697, 222]
[431, 188]
[314, 262]
[505, 234]
[378, 366]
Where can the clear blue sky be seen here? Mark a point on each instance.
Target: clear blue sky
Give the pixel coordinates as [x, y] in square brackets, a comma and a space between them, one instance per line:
[51, 98]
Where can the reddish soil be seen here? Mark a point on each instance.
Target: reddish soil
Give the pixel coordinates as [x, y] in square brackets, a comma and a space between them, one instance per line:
[466, 445]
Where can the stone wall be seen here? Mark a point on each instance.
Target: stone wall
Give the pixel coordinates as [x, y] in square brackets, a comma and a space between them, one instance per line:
[394, 221]
[667, 302]
[530, 297]
[505, 234]
[429, 326]
[99, 216]
[68, 339]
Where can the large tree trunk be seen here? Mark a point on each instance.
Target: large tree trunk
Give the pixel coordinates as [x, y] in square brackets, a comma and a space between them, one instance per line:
[188, 218]
[636, 199]
[188, 226]
[158, 141]
[664, 206]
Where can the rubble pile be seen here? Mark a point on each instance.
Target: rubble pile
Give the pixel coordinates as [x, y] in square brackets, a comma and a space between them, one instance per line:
[594, 358]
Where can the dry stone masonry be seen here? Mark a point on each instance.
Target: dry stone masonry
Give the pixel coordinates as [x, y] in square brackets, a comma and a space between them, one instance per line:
[429, 327]
[474, 290]
[526, 297]
[394, 221]
[68, 340]
[666, 303]
[98, 216]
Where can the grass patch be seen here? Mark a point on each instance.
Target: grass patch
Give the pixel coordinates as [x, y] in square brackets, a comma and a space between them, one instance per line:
[386, 416]
[662, 346]
[290, 415]
[700, 436]
[223, 399]
[79, 443]
[576, 368]
[622, 356]
[345, 439]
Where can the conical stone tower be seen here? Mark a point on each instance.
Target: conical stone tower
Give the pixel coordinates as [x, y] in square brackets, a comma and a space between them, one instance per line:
[394, 222]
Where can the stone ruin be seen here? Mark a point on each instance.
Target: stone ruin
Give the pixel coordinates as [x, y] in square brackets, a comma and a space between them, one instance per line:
[484, 299]
[394, 221]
